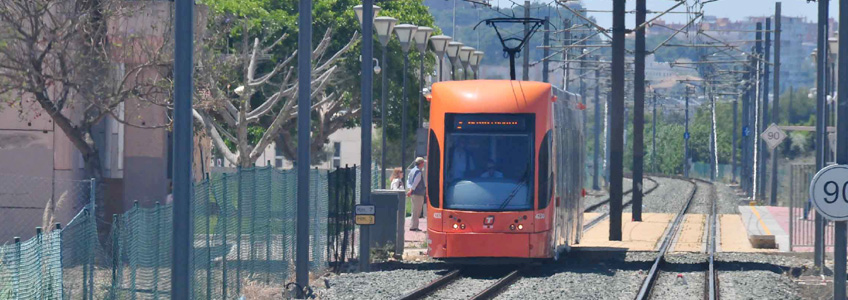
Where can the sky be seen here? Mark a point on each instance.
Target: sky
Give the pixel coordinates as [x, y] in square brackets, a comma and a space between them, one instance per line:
[733, 9]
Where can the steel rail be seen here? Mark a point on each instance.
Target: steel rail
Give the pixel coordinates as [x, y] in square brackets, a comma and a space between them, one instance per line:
[653, 274]
[498, 286]
[431, 287]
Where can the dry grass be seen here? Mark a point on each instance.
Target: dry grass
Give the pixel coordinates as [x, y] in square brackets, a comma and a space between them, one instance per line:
[49, 216]
[261, 291]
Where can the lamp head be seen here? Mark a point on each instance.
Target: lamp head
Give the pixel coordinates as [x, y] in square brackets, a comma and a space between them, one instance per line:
[422, 37]
[405, 34]
[384, 27]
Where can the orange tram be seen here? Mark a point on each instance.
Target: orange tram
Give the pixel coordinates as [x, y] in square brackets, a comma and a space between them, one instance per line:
[504, 172]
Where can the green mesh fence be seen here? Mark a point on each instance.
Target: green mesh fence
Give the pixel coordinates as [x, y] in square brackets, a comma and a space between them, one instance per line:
[244, 231]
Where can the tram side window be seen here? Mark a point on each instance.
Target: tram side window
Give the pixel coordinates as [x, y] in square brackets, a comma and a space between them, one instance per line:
[545, 176]
[433, 170]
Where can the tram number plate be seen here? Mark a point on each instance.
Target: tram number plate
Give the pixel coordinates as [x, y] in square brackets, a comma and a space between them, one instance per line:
[364, 219]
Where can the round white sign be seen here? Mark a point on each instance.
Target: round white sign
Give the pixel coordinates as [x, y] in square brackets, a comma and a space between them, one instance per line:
[829, 192]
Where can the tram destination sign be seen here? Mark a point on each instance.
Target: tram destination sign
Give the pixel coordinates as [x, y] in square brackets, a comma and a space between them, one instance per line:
[488, 122]
[829, 192]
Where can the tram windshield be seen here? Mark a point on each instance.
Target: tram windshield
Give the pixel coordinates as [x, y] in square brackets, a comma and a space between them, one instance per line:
[489, 171]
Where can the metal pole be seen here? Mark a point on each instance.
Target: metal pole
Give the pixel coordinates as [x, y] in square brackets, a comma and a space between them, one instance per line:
[183, 138]
[654, 136]
[566, 38]
[757, 115]
[617, 120]
[365, 87]
[403, 117]
[384, 98]
[453, 29]
[775, 108]
[639, 112]
[766, 118]
[841, 233]
[746, 123]
[818, 249]
[304, 103]
[526, 51]
[686, 140]
[597, 128]
[421, 85]
[713, 161]
[546, 50]
[733, 142]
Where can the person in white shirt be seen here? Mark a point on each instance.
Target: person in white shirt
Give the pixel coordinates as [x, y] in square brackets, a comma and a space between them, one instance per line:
[417, 190]
[490, 171]
[397, 179]
[461, 161]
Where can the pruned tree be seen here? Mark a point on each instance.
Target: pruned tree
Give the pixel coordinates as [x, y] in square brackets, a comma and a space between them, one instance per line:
[234, 95]
[78, 62]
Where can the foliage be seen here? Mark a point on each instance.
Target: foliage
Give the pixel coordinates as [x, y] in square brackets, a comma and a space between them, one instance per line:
[274, 18]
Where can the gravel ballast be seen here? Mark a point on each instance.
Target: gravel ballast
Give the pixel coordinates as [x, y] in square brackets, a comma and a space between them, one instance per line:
[375, 285]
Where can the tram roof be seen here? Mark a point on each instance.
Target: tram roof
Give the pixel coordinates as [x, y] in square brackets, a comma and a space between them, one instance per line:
[502, 96]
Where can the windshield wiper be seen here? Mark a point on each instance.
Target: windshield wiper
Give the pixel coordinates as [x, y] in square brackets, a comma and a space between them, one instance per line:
[516, 188]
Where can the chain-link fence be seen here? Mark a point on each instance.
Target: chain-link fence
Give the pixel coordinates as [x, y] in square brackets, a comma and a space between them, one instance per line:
[244, 231]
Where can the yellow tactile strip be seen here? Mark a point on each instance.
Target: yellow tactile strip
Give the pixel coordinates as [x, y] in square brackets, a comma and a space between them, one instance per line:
[691, 235]
[734, 236]
[636, 236]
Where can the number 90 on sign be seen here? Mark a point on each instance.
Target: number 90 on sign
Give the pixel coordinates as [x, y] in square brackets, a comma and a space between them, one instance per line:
[829, 192]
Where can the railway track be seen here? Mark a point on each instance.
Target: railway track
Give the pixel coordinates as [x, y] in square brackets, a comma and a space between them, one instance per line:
[711, 290]
[442, 282]
[603, 216]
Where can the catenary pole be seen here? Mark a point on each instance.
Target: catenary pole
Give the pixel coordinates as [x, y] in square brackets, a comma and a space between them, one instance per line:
[183, 138]
[365, 87]
[384, 99]
[304, 103]
[639, 112]
[596, 127]
[758, 120]
[654, 134]
[776, 102]
[526, 52]
[734, 139]
[841, 227]
[617, 120]
[686, 134]
[821, 94]
[546, 50]
[766, 118]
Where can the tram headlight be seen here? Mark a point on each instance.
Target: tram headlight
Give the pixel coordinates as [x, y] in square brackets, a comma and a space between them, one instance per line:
[455, 226]
[511, 226]
[520, 227]
[462, 226]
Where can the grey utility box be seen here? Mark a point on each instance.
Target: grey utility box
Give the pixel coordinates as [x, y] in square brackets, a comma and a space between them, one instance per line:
[389, 217]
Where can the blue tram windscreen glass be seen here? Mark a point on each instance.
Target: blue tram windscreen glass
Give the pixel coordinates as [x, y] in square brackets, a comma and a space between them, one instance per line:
[489, 162]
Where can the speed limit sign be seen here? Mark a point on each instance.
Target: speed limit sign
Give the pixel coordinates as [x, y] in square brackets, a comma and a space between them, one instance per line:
[773, 136]
[829, 192]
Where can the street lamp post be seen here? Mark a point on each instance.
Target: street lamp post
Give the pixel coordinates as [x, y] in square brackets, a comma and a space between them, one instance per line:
[464, 58]
[384, 27]
[422, 37]
[453, 55]
[440, 46]
[475, 63]
[405, 34]
[366, 88]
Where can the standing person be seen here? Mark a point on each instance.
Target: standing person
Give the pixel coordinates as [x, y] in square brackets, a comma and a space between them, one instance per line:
[416, 190]
[396, 179]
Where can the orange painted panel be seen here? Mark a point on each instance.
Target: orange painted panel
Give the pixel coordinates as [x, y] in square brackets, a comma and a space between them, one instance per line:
[488, 245]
